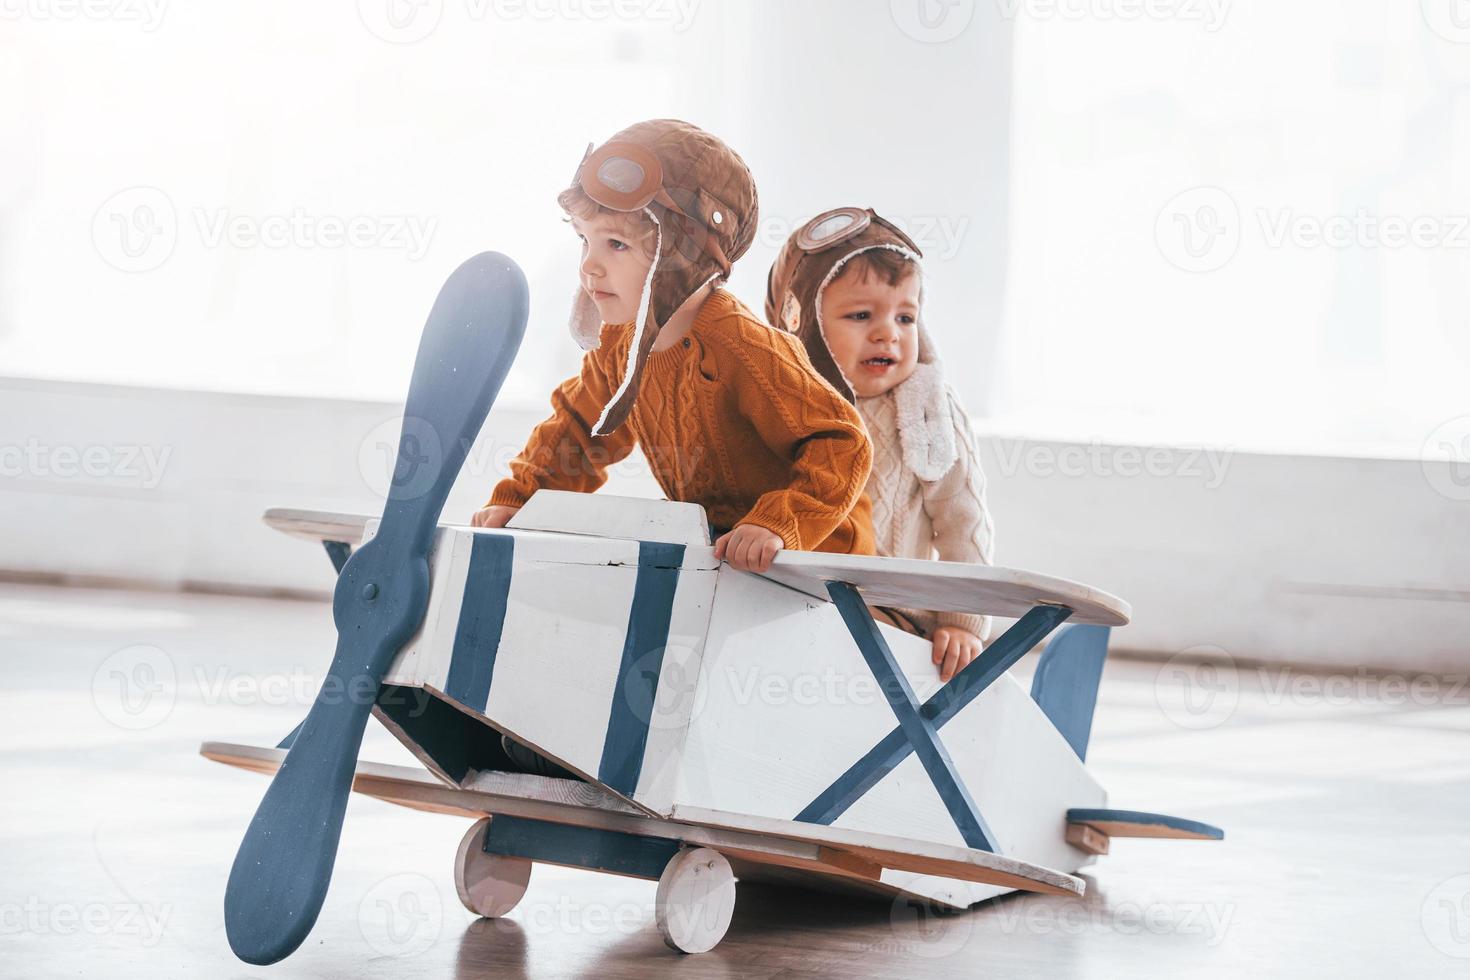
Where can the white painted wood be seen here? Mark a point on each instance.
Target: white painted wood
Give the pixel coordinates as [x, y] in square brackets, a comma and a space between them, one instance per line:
[316, 525]
[606, 516]
[944, 585]
[788, 704]
[695, 900]
[764, 698]
[489, 885]
[555, 678]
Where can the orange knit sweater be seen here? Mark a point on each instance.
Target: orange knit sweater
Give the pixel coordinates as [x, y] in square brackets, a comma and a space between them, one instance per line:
[733, 418]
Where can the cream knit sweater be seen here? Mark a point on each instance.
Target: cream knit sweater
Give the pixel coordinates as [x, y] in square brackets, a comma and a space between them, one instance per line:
[923, 508]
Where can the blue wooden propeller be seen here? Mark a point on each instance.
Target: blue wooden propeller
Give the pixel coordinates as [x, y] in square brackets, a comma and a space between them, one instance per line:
[281, 872]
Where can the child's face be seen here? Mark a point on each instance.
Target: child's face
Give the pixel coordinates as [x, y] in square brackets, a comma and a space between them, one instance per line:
[613, 268]
[872, 328]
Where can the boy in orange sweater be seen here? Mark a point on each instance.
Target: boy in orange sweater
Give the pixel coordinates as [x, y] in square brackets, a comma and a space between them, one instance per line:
[730, 413]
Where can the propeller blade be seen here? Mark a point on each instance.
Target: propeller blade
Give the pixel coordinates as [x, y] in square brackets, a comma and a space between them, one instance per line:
[284, 864]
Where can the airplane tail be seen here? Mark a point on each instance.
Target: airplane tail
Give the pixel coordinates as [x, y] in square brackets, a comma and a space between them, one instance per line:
[1065, 684]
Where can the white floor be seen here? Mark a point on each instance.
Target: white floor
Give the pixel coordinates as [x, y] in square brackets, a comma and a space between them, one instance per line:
[1346, 801]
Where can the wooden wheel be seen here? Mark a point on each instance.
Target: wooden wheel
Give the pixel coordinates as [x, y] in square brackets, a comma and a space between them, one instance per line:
[695, 900]
[488, 884]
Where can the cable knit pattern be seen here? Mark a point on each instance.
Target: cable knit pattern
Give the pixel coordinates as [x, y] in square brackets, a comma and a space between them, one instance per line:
[733, 418]
[913, 518]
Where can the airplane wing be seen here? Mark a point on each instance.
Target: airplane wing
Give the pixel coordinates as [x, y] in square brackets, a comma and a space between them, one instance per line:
[945, 585]
[816, 850]
[317, 525]
[903, 582]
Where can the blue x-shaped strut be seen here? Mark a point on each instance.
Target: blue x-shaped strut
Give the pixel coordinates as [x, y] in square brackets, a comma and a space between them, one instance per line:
[918, 725]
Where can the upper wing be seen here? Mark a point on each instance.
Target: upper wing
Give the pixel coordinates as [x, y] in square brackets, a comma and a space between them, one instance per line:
[317, 525]
[945, 585]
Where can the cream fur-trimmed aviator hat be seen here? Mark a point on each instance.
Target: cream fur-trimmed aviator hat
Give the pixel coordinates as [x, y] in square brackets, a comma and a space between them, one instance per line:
[701, 199]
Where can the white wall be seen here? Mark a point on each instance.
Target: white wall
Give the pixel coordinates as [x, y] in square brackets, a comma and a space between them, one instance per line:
[1300, 559]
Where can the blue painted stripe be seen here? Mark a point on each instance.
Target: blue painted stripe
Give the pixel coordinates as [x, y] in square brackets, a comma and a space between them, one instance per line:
[862, 776]
[580, 847]
[638, 672]
[920, 732]
[481, 619]
[993, 661]
[1142, 819]
[943, 705]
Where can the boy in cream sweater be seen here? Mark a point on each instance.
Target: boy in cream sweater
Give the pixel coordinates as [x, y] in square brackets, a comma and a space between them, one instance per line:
[849, 286]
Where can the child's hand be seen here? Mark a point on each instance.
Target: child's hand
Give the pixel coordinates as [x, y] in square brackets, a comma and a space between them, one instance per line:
[492, 516]
[750, 547]
[953, 649]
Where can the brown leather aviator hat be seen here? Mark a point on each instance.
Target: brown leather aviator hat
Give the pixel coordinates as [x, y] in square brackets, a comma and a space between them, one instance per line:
[701, 199]
[815, 256]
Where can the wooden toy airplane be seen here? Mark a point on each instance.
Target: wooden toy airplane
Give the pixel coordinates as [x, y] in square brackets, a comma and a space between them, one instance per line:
[722, 724]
